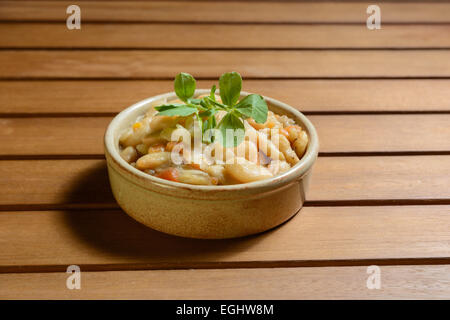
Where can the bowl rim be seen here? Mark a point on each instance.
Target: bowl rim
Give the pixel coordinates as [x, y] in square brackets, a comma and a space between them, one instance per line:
[296, 172]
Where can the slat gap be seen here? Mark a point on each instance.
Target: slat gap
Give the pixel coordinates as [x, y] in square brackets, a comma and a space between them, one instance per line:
[228, 265]
[319, 203]
[224, 22]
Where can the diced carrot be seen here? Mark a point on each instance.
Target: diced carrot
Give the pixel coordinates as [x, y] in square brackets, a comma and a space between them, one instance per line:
[169, 174]
[137, 125]
[194, 165]
[269, 124]
[159, 147]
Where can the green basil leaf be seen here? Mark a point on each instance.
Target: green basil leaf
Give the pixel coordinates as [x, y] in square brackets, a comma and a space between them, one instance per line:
[212, 94]
[208, 113]
[169, 106]
[175, 110]
[197, 106]
[204, 103]
[230, 85]
[217, 104]
[184, 86]
[194, 101]
[235, 124]
[253, 106]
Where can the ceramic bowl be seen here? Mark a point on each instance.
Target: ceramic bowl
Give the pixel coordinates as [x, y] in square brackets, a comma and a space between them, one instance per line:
[207, 212]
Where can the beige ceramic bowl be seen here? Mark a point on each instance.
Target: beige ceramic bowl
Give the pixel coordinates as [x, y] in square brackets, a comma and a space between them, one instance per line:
[207, 212]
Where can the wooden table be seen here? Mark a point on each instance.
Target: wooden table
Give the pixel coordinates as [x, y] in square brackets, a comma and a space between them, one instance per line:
[380, 192]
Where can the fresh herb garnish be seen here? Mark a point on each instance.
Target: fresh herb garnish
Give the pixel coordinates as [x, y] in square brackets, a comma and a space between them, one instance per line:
[184, 86]
[230, 84]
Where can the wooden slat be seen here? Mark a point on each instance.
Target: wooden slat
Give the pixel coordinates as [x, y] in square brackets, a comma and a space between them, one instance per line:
[397, 282]
[260, 64]
[84, 182]
[308, 95]
[223, 11]
[337, 134]
[47, 136]
[392, 133]
[54, 182]
[29, 35]
[330, 236]
[351, 178]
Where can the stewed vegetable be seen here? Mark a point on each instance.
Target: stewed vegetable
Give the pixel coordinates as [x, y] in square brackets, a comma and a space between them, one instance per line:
[212, 139]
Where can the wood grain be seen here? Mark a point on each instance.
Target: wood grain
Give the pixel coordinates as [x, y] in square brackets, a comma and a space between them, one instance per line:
[397, 282]
[337, 134]
[83, 183]
[122, 64]
[224, 11]
[330, 236]
[31, 97]
[154, 36]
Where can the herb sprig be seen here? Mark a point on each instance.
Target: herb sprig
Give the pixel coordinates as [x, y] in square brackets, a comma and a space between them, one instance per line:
[230, 84]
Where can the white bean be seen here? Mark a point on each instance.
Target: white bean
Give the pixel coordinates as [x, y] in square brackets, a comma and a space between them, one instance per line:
[160, 122]
[301, 143]
[129, 154]
[153, 160]
[243, 171]
[194, 177]
[285, 148]
[152, 138]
